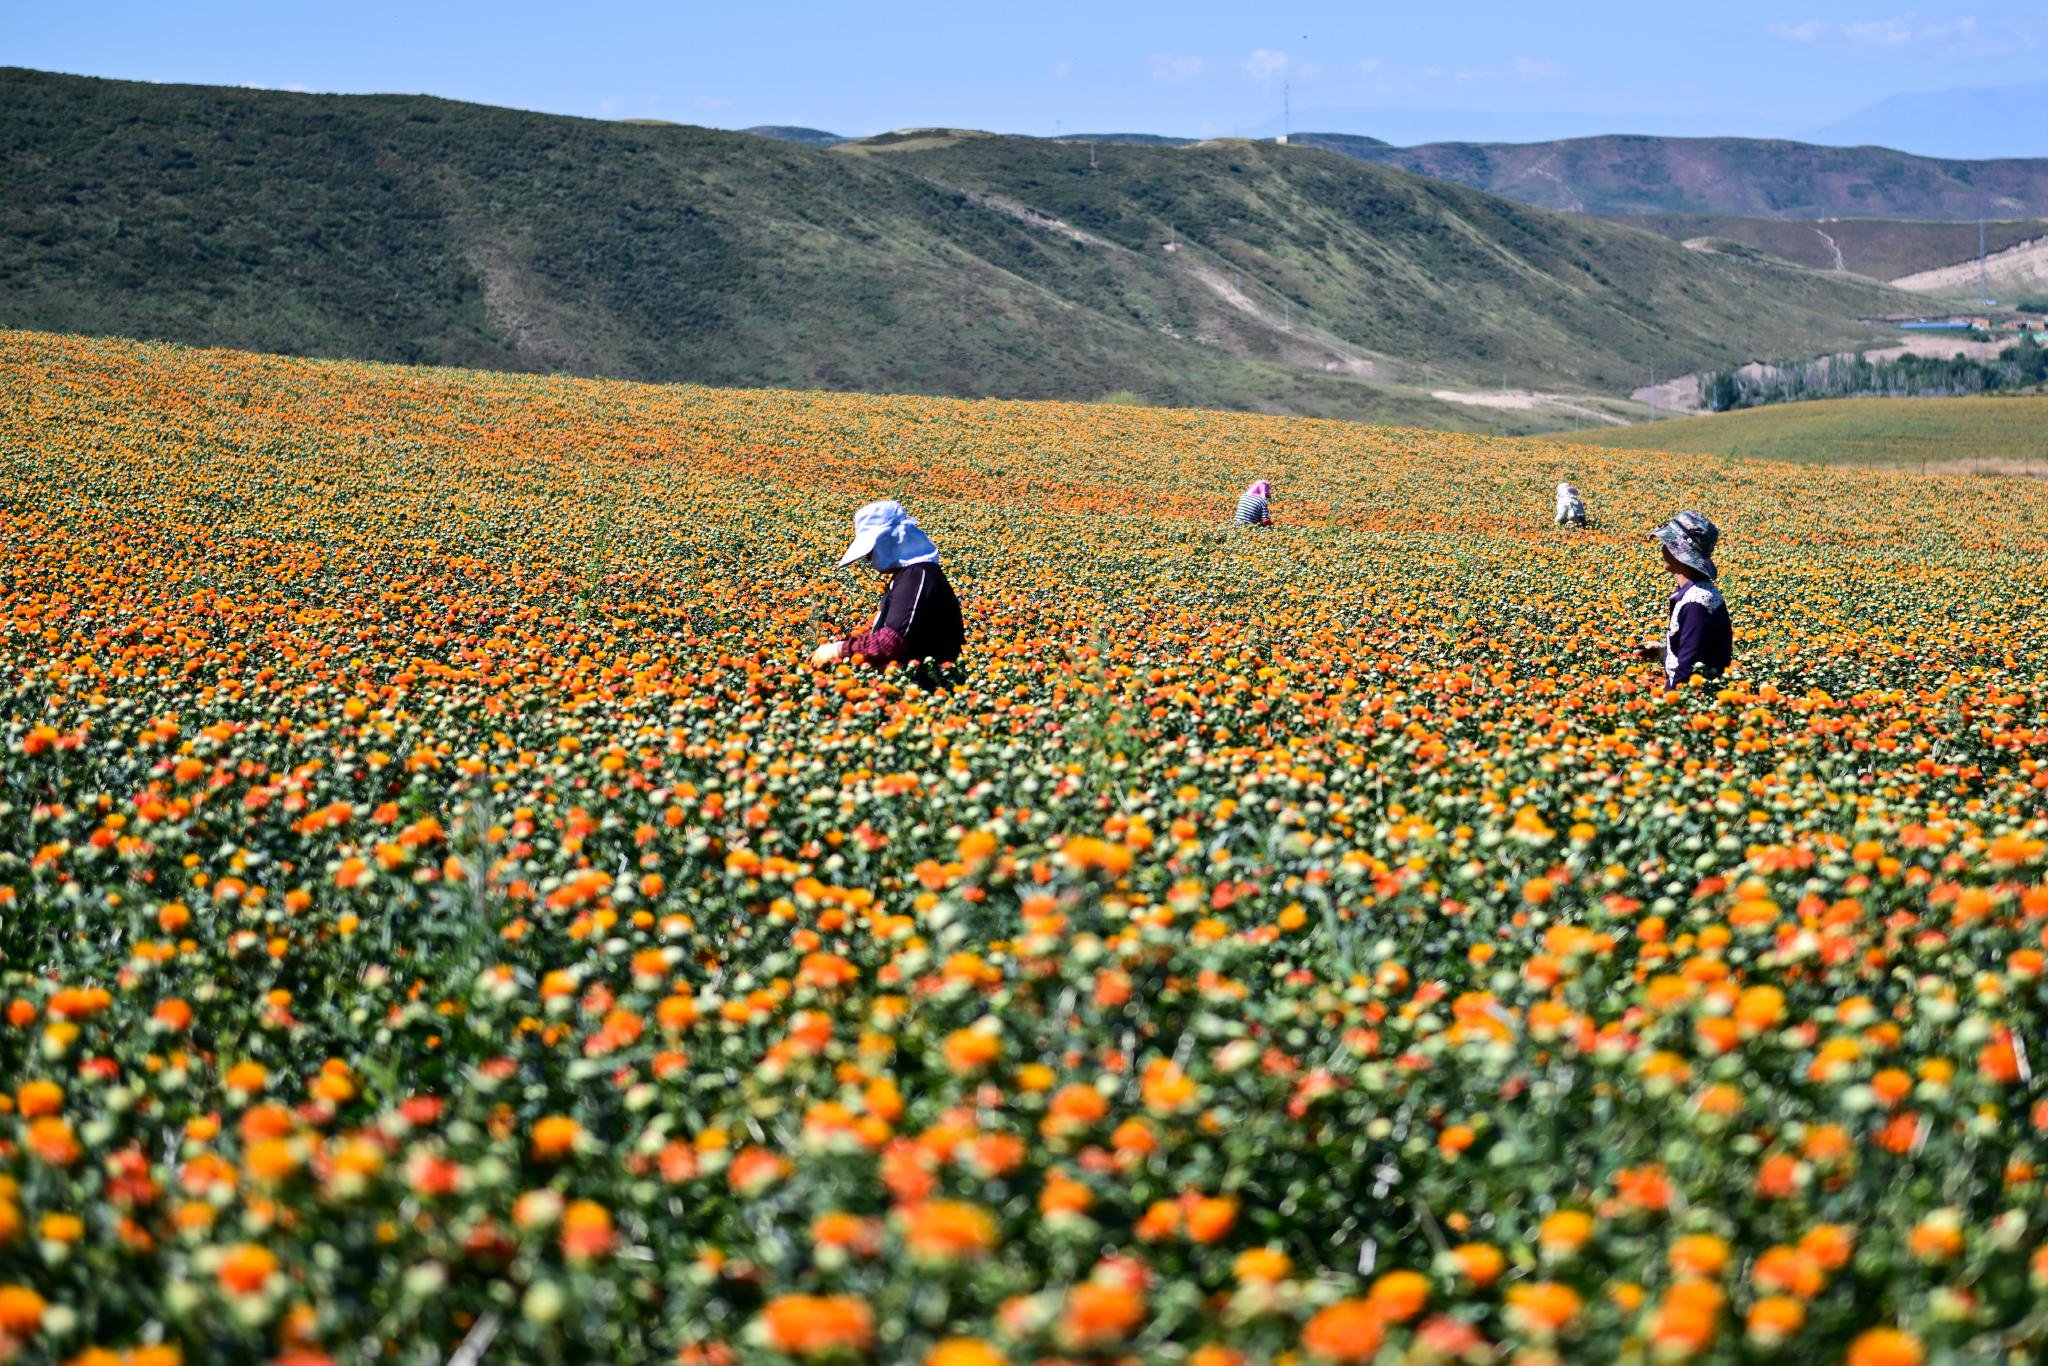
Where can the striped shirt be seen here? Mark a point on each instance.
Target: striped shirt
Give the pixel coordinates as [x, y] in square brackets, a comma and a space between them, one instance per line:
[1251, 509]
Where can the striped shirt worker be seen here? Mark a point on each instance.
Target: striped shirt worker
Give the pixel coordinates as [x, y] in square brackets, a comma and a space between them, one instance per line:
[1252, 507]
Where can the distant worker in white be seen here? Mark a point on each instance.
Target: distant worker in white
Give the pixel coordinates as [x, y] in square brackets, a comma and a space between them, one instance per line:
[1571, 509]
[1254, 505]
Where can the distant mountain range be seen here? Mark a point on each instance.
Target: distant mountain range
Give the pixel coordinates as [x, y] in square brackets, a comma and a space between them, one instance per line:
[1230, 274]
[2008, 121]
[1630, 174]
[808, 137]
[1748, 176]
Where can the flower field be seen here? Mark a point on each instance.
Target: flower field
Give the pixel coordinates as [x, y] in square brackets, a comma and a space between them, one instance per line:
[445, 919]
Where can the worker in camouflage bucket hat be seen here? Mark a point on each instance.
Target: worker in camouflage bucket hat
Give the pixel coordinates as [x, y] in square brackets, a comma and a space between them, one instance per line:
[1699, 638]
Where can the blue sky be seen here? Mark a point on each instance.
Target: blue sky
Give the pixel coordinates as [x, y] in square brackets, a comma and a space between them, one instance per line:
[1408, 71]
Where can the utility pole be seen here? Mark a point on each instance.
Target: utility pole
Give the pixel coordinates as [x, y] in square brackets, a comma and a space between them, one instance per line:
[1091, 155]
[1983, 269]
[1286, 111]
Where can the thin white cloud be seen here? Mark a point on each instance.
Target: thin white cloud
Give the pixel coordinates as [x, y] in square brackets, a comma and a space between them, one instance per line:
[1060, 70]
[1536, 69]
[1879, 33]
[709, 103]
[1916, 35]
[1805, 31]
[1177, 68]
[1267, 65]
[609, 104]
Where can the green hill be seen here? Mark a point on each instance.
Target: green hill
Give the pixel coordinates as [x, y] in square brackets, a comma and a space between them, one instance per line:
[1753, 177]
[1411, 270]
[2003, 433]
[422, 230]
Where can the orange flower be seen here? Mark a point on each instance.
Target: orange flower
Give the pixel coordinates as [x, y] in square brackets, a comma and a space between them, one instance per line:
[1262, 1264]
[848, 1231]
[51, 1140]
[1162, 1219]
[1074, 1106]
[970, 1050]
[947, 1230]
[1564, 1233]
[1885, 1347]
[586, 1231]
[1399, 1295]
[1542, 1309]
[1479, 1263]
[1830, 1245]
[1699, 1254]
[1687, 1320]
[1938, 1237]
[1349, 1330]
[818, 1325]
[35, 1099]
[1165, 1088]
[965, 1352]
[753, 1170]
[21, 1311]
[1100, 1313]
[1210, 1218]
[1787, 1270]
[1775, 1318]
[1778, 1176]
[247, 1269]
[555, 1136]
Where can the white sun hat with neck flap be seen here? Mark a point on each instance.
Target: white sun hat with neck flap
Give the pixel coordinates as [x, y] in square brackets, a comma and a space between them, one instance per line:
[886, 534]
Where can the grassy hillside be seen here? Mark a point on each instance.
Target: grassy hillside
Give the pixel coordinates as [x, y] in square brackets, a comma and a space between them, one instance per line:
[428, 231]
[1419, 271]
[1755, 177]
[1881, 248]
[1996, 433]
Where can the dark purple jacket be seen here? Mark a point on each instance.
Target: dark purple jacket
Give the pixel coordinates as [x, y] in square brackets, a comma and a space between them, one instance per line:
[1701, 639]
[920, 619]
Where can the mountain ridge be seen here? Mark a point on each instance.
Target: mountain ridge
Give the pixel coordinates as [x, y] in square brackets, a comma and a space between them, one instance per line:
[414, 229]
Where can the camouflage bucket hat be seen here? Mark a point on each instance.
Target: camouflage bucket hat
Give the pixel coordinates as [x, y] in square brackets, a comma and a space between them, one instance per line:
[1691, 538]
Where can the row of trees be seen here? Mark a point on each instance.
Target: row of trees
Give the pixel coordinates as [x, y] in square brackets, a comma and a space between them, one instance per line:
[2019, 366]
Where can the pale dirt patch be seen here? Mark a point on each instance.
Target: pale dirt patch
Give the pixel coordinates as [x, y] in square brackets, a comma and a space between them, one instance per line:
[1935, 346]
[2021, 266]
[516, 304]
[1333, 357]
[1029, 216]
[1525, 400]
[2011, 468]
[1680, 394]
